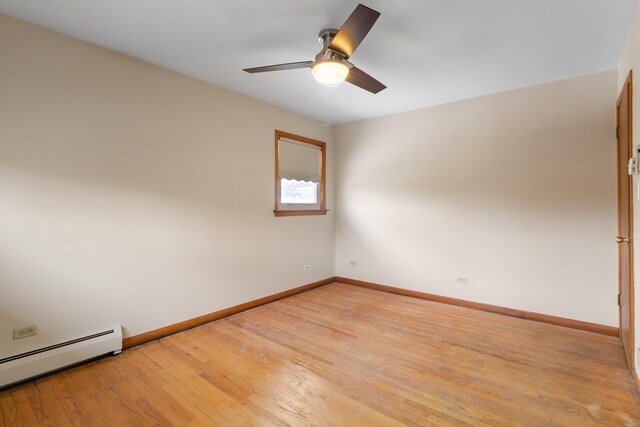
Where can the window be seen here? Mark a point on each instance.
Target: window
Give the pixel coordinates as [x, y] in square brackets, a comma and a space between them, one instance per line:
[300, 175]
[294, 192]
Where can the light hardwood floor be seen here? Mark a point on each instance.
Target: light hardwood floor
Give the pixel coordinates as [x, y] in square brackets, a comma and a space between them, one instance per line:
[344, 355]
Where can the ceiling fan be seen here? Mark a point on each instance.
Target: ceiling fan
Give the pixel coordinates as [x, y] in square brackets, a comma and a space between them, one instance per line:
[331, 65]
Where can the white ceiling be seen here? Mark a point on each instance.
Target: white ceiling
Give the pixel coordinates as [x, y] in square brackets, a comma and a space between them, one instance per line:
[427, 52]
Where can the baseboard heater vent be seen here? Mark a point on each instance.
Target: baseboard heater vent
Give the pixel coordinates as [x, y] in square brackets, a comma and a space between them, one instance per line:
[30, 364]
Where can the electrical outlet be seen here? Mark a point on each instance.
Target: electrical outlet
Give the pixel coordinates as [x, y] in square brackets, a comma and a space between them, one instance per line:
[307, 267]
[462, 280]
[353, 263]
[27, 331]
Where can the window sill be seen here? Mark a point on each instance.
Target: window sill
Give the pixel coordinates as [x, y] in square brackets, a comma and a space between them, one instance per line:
[301, 212]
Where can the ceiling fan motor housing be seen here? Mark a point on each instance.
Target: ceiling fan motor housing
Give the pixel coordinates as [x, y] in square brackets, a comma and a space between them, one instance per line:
[326, 36]
[329, 55]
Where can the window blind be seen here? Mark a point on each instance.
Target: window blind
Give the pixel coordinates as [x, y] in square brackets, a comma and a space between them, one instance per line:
[298, 160]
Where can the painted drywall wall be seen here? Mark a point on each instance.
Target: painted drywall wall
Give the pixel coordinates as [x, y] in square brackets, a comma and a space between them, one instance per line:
[514, 191]
[630, 60]
[133, 195]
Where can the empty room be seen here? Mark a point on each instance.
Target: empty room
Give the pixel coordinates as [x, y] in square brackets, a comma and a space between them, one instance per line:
[293, 213]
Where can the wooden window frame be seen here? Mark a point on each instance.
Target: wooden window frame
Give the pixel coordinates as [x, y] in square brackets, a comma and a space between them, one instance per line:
[323, 176]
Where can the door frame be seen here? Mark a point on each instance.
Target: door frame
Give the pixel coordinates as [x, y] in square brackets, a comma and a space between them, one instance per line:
[628, 88]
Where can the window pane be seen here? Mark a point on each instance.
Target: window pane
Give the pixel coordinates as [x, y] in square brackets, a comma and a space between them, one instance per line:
[298, 192]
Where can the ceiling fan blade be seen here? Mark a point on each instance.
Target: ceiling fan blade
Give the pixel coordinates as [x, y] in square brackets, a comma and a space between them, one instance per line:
[363, 80]
[354, 30]
[280, 67]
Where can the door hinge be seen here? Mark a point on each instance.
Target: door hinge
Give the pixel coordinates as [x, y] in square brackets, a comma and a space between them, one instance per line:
[619, 301]
[617, 131]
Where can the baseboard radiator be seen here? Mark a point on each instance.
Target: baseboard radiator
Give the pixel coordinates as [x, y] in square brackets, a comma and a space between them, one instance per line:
[24, 366]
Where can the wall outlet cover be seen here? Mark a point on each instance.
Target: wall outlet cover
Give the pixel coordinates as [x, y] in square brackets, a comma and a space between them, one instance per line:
[27, 331]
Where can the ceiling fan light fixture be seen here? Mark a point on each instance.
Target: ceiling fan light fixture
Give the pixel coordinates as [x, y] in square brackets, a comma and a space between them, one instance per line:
[330, 72]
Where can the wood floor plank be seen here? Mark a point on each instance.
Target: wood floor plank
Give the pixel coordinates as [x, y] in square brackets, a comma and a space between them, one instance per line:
[31, 411]
[184, 372]
[346, 355]
[45, 405]
[98, 401]
[441, 400]
[382, 399]
[179, 388]
[58, 401]
[307, 395]
[8, 410]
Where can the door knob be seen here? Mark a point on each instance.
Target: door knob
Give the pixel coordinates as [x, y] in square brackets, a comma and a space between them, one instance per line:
[623, 240]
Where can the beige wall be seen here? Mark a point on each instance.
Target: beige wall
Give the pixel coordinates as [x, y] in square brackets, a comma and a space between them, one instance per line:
[130, 194]
[631, 61]
[515, 191]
